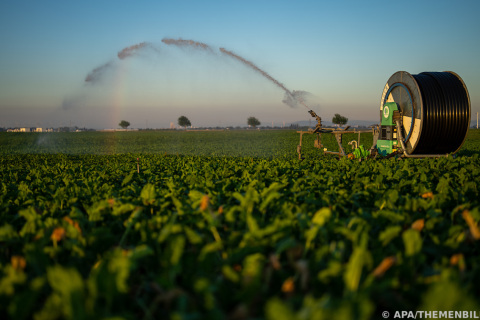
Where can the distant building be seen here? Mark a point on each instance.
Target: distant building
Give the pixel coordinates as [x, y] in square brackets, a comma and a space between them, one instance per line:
[38, 130]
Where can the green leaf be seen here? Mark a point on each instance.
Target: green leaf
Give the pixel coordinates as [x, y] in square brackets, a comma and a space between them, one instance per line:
[127, 179]
[140, 252]
[7, 232]
[252, 266]
[252, 223]
[353, 271]
[270, 194]
[119, 267]
[33, 219]
[123, 208]
[192, 236]
[276, 309]
[447, 295]
[148, 194]
[322, 216]
[230, 274]
[310, 235]
[359, 259]
[177, 245]
[209, 248]
[412, 242]
[443, 185]
[11, 278]
[68, 291]
[389, 234]
[97, 210]
[167, 229]
[333, 270]
[389, 215]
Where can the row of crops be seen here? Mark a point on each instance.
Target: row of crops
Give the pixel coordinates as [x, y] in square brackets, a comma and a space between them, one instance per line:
[156, 230]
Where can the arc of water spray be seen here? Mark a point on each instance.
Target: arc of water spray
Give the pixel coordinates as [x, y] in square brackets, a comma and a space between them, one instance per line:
[185, 43]
[266, 75]
[131, 50]
[292, 98]
[97, 73]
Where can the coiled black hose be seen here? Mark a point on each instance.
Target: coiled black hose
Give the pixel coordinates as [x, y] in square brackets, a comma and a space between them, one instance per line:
[446, 112]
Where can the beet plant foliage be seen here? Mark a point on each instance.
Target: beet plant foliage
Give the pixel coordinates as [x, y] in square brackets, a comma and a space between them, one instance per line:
[240, 229]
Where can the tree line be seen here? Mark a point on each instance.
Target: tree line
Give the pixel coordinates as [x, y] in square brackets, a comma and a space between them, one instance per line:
[184, 122]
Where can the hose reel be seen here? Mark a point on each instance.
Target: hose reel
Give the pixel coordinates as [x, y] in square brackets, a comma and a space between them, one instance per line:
[434, 109]
[421, 115]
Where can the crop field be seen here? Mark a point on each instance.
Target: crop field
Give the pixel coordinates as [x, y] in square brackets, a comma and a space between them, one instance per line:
[231, 225]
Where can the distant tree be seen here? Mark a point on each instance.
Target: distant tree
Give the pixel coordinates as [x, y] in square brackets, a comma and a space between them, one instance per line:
[252, 121]
[124, 124]
[340, 120]
[184, 122]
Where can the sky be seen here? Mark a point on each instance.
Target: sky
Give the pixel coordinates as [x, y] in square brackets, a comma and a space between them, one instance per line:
[340, 52]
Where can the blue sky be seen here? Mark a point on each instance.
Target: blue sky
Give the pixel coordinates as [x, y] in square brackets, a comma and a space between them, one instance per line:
[341, 52]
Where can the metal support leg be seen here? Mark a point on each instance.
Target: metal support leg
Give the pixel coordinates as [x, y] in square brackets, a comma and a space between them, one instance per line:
[299, 147]
[338, 136]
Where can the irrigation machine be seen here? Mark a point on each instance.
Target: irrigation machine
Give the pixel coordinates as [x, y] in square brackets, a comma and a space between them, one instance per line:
[421, 115]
